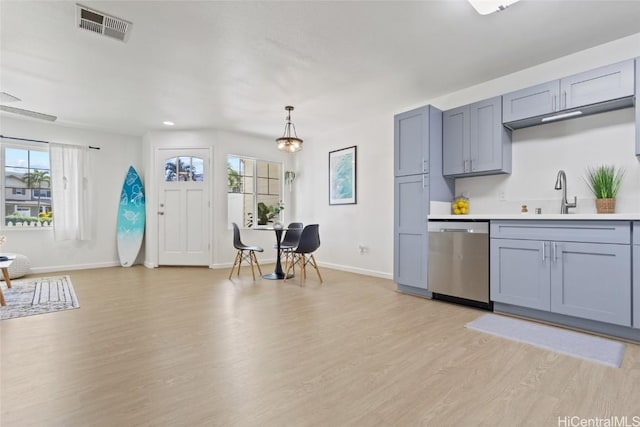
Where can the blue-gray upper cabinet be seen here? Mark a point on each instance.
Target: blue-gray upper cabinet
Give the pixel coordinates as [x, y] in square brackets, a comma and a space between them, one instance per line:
[411, 141]
[601, 86]
[474, 140]
[530, 102]
[636, 274]
[411, 207]
[637, 107]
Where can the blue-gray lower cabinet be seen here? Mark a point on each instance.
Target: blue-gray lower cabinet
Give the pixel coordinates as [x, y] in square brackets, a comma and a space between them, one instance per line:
[636, 268]
[580, 279]
[636, 286]
[411, 207]
[520, 273]
[591, 281]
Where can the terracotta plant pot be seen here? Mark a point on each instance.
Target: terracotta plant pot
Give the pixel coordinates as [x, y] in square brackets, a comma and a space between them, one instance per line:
[605, 206]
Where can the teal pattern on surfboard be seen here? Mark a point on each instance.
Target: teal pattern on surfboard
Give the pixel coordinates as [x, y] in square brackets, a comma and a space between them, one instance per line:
[131, 218]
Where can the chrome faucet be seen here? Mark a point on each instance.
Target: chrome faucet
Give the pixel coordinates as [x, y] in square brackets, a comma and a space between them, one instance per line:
[561, 184]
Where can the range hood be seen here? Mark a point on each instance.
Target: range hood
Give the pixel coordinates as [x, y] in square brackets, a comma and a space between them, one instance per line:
[586, 110]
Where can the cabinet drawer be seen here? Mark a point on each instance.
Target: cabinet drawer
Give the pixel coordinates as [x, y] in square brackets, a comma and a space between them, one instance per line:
[567, 231]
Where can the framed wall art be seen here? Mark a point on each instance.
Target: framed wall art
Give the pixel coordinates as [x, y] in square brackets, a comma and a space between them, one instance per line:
[342, 176]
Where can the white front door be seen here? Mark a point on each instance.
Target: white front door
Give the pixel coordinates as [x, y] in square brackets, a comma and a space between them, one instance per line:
[184, 210]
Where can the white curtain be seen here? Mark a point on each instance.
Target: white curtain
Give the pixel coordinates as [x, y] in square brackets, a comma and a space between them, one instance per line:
[71, 193]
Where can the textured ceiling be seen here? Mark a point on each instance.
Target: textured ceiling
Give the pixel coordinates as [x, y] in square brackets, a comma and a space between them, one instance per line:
[235, 65]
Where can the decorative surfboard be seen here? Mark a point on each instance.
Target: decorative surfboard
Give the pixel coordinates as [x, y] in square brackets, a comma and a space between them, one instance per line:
[131, 217]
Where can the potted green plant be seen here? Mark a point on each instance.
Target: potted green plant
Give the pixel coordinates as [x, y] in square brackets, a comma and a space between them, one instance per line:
[604, 182]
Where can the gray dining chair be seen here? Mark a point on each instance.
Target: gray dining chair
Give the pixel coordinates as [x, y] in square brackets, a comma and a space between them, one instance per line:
[290, 241]
[303, 253]
[245, 253]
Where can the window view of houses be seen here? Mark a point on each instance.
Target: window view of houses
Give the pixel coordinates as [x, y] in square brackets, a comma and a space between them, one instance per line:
[27, 187]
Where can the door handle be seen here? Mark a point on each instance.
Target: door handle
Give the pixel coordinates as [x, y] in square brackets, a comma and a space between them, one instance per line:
[555, 252]
[544, 251]
[425, 165]
[160, 213]
[553, 103]
[564, 95]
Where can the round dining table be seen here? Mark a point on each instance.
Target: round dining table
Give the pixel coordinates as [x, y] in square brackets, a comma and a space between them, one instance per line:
[277, 274]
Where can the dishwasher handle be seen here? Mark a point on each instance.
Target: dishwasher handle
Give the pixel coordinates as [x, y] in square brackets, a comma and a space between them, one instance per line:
[463, 230]
[466, 227]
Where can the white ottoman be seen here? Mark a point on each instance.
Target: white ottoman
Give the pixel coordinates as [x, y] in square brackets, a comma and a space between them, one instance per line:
[19, 267]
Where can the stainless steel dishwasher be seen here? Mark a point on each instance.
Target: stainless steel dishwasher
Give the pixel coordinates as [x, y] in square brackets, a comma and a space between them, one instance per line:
[458, 264]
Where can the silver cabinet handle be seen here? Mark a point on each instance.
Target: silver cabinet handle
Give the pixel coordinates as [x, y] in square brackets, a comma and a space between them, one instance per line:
[553, 103]
[564, 95]
[471, 165]
[544, 251]
[425, 165]
[555, 252]
[425, 181]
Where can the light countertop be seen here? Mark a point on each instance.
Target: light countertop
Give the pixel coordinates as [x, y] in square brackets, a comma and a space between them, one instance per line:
[532, 216]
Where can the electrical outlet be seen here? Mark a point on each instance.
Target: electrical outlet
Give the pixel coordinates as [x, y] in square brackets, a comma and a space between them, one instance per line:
[501, 196]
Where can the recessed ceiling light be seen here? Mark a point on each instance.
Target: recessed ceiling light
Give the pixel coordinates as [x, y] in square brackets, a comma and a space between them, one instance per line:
[168, 123]
[485, 7]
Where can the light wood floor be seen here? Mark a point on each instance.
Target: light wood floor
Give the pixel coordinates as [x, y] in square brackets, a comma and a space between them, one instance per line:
[187, 347]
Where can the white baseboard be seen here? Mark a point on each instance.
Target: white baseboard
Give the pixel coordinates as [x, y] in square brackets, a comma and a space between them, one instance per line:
[229, 264]
[52, 269]
[347, 268]
[357, 270]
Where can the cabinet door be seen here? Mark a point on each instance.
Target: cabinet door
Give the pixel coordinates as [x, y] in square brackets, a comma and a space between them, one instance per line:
[638, 109]
[592, 281]
[520, 273]
[455, 136]
[411, 142]
[636, 286]
[530, 102]
[490, 142]
[602, 84]
[411, 208]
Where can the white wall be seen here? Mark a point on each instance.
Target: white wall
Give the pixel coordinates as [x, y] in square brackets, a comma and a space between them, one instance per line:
[537, 155]
[222, 144]
[343, 228]
[109, 166]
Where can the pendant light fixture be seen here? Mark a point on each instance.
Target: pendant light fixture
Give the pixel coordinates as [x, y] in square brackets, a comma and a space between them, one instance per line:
[287, 142]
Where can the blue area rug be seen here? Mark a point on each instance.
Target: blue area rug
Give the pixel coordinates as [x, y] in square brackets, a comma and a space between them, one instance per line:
[576, 344]
[38, 295]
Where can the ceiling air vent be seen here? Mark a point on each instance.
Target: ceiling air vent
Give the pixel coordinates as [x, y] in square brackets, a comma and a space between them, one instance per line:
[101, 23]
